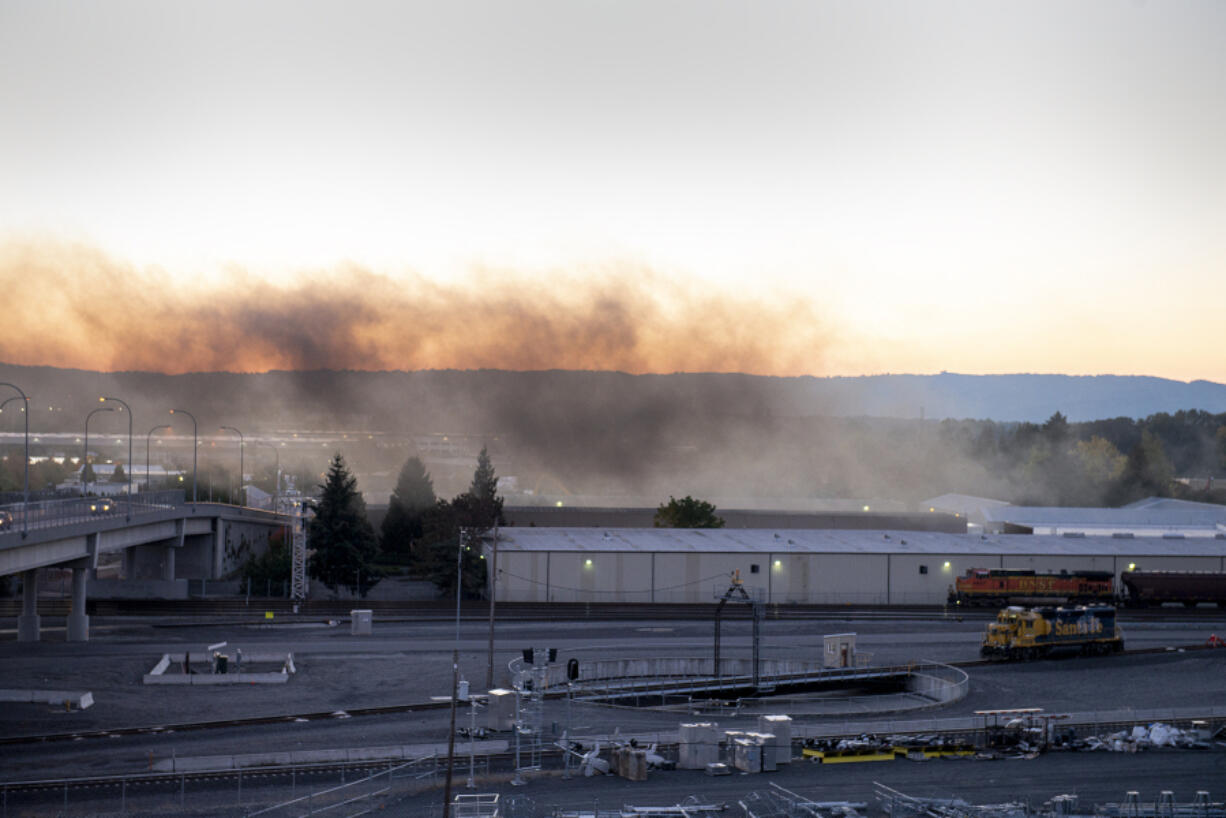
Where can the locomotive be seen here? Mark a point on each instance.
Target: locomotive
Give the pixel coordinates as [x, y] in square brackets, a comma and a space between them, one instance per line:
[984, 586]
[1137, 589]
[1030, 633]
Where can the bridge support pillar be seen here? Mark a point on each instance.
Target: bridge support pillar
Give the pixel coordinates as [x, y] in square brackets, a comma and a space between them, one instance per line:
[168, 563]
[28, 623]
[129, 563]
[78, 620]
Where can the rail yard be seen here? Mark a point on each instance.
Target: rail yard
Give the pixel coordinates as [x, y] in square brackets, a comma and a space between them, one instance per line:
[155, 748]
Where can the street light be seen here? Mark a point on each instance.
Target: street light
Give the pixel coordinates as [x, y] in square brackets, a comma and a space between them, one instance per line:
[128, 409]
[195, 445]
[148, 480]
[242, 492]
[85, 458]
[276, 491]
[25, 508]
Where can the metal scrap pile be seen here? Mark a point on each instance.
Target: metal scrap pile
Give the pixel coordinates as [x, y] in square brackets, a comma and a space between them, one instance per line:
[1142, 738]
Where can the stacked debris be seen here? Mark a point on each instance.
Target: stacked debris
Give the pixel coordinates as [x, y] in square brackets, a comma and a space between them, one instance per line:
[1143, 738]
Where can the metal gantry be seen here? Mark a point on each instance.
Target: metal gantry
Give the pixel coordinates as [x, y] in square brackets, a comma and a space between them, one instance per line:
[530, 685]
[298, 575]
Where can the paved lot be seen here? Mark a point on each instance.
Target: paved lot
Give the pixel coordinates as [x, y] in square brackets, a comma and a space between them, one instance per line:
[408, 662]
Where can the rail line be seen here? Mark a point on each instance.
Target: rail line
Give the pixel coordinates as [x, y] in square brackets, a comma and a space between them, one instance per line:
[444, 610]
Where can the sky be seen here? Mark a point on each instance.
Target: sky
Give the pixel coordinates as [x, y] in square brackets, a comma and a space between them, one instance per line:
[824, 188]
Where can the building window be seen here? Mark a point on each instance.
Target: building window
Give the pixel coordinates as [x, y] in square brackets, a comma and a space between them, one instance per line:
[753, 568]
[923, 569]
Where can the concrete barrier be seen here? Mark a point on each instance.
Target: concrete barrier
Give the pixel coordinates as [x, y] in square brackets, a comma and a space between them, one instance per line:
[68, 698]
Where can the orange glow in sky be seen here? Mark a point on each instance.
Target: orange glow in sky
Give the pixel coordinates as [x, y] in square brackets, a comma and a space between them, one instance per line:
[777, 187]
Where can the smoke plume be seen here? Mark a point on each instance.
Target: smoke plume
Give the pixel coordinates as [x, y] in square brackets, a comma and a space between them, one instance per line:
[70, 305]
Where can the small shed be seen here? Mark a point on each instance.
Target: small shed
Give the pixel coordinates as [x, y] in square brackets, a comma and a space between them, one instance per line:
[840, 650]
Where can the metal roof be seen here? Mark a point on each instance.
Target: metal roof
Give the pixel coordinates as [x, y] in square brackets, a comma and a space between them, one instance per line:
[963, 503]
[1171, 504]
[825, 541]
[1159, 516]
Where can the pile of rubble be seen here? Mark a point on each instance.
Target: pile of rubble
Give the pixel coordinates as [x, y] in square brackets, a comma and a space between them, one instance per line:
[1141, 738]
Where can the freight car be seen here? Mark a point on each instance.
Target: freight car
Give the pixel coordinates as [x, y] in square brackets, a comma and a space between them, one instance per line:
[983, 586]
[1029, 633]
[1143, 588]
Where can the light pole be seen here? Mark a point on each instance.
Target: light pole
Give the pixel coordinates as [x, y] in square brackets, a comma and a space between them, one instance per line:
[195, 445]
[242, 493]
[455, 677]
[276, 491]
[85, 458]
[148, 480]
[25, 508]
[127, 409]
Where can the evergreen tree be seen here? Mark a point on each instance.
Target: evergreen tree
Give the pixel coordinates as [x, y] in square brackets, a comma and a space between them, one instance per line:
[119, 475]
[476, 511]
[487, 511]
[441, 538]
[411, 499]
[343, 543]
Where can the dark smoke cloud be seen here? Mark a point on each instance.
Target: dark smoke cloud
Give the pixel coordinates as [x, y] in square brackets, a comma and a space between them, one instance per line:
[69, 305]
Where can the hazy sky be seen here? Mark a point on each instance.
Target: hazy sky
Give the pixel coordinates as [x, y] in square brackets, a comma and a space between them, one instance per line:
[911, 186]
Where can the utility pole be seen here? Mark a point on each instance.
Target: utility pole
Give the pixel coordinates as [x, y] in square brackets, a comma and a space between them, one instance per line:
[489, 670]
[455, 677]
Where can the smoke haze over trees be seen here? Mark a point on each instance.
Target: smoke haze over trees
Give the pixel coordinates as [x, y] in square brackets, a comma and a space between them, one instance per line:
[607, 434]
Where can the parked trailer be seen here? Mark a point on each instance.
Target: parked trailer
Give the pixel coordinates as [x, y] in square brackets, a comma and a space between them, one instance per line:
[984, 586]
[1030, 633]
[1143, 588]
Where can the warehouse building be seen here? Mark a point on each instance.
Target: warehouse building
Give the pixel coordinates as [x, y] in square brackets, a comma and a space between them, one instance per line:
[805, 566]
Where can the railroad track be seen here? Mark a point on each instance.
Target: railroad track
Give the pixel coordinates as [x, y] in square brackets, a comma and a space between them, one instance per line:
[444, 610]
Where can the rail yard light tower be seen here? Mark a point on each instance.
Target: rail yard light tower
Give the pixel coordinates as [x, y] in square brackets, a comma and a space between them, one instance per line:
[148, 479]
[25, 506]
[195, 446]
[241, 491]
[85, 455]
[127, 409]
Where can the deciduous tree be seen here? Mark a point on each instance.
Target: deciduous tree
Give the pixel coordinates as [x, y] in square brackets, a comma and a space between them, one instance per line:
[687, 513]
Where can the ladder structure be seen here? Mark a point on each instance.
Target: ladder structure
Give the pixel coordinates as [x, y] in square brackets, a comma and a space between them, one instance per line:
[530, 685]
[298, 575]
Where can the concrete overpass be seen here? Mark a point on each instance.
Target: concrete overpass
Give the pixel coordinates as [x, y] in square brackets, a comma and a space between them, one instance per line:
[160, 536]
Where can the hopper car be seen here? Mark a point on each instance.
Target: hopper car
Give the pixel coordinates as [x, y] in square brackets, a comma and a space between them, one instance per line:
[1145, 588]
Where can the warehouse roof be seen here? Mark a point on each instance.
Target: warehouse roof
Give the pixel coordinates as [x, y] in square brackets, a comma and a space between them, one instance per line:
[965, 504]
[1159, 516]
[816, 541]
[1171, 504]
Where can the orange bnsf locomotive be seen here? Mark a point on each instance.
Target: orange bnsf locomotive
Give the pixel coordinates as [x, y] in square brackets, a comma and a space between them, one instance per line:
[984, 586]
